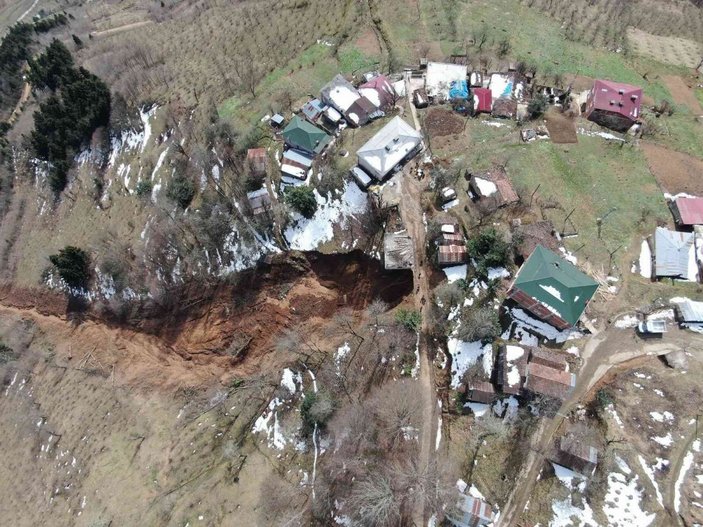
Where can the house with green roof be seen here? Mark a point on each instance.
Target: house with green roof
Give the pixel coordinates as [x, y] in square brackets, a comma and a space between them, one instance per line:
[302, 135]
[552, 288]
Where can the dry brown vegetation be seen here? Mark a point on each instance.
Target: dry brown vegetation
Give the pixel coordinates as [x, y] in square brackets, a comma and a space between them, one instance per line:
[211, 49]
[603, 23]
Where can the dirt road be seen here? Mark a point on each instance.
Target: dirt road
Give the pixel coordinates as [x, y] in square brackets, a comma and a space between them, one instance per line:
[681, 448]
[411, 213]
[603, 352]
[120, 29]
[26, 90]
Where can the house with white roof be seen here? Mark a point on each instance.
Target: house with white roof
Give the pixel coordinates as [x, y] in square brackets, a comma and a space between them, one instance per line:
[392, 145]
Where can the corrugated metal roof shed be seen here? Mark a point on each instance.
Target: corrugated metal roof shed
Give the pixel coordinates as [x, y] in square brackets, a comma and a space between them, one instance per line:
[398, 251]
[259, 200]
[451, 254]
[689, 311]
[672, 252]
[470, 512]
[688, 211]
[548, 358]
[548, 381]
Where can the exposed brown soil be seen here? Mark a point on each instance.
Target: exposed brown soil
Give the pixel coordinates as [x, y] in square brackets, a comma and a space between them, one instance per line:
[186, 337]
[440, 122]
[682, 93]
[368, 43]
[561, 128]
[675, 172]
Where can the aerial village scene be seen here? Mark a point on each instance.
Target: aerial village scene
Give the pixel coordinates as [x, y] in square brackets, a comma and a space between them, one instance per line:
[543, 296]
[381, 263]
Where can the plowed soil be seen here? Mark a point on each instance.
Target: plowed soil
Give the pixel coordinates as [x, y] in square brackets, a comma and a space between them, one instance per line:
[675, 172]
[561, 129]
[682, 93]
[440, 122]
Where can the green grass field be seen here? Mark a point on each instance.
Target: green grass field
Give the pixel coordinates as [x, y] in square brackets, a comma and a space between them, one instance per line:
[592, 177]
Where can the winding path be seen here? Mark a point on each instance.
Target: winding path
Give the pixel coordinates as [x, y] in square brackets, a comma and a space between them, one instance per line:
[600, 356]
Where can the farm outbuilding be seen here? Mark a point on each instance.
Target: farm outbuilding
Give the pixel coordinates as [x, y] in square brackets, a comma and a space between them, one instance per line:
[305, 136]
[277, 120]
[687, 211]
[483, 100]
[613, 105]
[257, 159]
[313, 110]
[577, 455]
[494, 186]
[552, 288]
[295, 164]
[674, 254]
[440, 78]
[451, 255]
[548, 358]
[470, 512]
[510, 367]
[259, 201]
[420, 99]
[480, 392]
[504, 107]
[392, 145]
[550, 382]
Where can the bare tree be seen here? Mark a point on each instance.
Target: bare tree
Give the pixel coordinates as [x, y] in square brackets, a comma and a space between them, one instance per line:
[248, 72]
[397, 412]
[374, 501]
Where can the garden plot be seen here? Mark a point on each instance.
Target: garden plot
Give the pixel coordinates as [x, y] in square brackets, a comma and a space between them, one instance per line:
[670, 50]
[674, 171]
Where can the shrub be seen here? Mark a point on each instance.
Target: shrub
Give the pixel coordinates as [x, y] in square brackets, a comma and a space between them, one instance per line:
[181, 190]
[316, 409]
[73, 265]
[479, 323]
[537, 106]
[302, 199]
[409, 318]
[6, 354]
[488, 249]
[144, 187]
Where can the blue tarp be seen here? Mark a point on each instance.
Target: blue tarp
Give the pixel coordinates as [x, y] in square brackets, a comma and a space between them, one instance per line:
[459, 90]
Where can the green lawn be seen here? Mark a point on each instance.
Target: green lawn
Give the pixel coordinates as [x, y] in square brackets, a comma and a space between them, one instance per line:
[591, 177]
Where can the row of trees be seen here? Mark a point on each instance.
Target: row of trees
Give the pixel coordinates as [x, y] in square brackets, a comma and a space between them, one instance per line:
[14, 51]
[78, 103]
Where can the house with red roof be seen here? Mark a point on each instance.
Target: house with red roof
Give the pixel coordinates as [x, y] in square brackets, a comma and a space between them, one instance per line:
[483, 100]
[379, 91]
[613, 105]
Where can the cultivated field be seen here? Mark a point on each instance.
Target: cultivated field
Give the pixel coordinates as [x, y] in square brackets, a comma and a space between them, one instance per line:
[670, 50]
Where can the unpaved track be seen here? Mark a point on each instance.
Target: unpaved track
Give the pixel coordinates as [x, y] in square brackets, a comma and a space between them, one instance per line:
[676, 461]
[411, 212]
[121, 29]
[602, 352]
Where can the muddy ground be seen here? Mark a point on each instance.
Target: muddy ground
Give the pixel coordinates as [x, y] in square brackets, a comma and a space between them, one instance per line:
[674, 171]
[96, 413]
